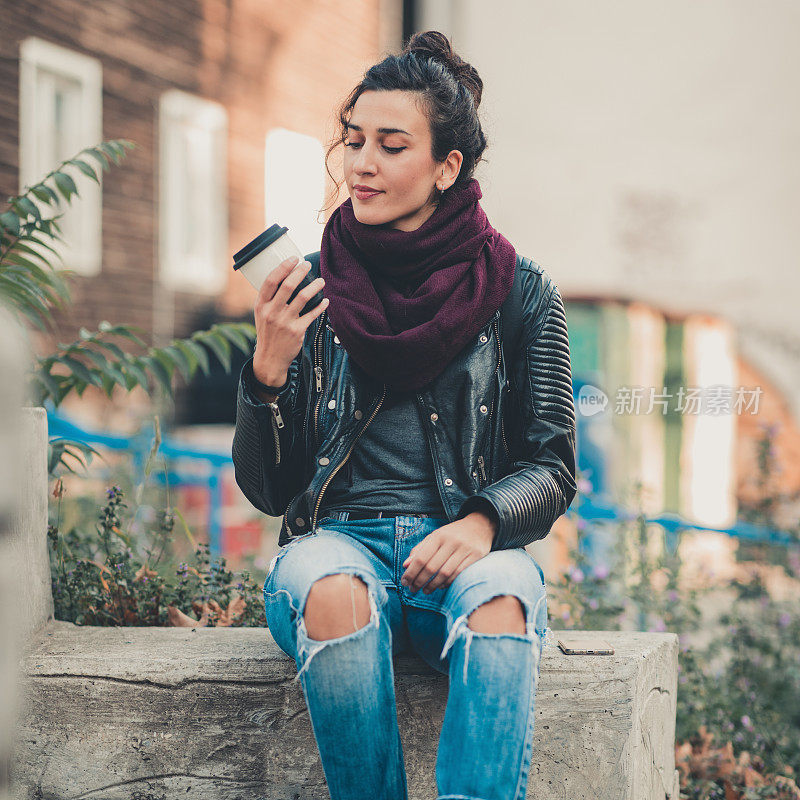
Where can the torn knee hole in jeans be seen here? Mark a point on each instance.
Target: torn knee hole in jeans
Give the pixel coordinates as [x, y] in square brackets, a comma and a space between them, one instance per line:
[460, 626]
[303, 638]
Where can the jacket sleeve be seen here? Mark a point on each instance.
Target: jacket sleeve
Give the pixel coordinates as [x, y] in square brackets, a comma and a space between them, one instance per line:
[268, 442]
[541, 485]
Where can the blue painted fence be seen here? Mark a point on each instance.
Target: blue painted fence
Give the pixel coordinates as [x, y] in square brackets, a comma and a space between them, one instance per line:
[591, 457]
[61, 427]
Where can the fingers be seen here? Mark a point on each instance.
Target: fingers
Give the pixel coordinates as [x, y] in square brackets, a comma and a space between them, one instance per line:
[282, 281]
[417, 559]
[305, 294]
[457, 562]
[310, 316]
[423, 566]
[270, 284]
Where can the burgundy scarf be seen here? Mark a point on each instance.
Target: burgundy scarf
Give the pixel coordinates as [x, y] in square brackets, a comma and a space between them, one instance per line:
[404, 303]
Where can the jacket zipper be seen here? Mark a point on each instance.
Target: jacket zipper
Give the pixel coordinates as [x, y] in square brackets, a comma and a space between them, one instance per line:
[341, 463]
[503, 423]
[503, 418]
[491, 407]
[277, 422]
[482, 468]
[318, 375]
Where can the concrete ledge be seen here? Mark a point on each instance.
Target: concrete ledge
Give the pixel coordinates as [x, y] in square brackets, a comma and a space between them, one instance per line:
[26, 560]
[212, 713]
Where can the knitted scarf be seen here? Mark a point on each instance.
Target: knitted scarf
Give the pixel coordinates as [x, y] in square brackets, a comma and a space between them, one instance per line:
[404, 303]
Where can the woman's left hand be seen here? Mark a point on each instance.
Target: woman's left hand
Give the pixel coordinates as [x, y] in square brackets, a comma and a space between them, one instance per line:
[448, 550]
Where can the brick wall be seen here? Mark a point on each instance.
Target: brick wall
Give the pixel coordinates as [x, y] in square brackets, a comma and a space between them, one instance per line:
[269, 63]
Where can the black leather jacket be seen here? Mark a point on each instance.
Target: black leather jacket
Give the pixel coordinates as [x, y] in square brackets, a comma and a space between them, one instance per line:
[502, 436]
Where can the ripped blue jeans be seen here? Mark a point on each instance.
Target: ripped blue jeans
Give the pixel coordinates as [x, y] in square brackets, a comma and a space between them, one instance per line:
[485, 744]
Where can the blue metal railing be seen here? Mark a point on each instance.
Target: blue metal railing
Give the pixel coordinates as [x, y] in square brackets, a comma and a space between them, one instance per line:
[590, 460]
[139, 445]
[594, 510]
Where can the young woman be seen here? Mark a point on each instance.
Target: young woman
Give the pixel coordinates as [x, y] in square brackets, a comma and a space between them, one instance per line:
[411, 454]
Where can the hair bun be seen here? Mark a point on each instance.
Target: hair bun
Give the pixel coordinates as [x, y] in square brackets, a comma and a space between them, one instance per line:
[435, 45]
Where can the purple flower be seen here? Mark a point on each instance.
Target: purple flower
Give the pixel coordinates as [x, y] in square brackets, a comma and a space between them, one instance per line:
[600, 572]
[785, 619]
[672, 596]
[659, 625]
[747, 723]
[593, 604]
[565, 614]
[576, 575]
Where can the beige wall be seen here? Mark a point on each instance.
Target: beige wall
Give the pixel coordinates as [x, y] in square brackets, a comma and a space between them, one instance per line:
[648, 149]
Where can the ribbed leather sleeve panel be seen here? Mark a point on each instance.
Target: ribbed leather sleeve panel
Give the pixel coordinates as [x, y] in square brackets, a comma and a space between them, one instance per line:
[528, 503]
[549, 371]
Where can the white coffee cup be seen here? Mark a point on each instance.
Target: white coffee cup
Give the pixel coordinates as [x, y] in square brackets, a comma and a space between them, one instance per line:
[258, 258]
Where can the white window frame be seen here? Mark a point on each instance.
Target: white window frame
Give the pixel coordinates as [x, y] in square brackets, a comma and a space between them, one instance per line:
[203, 271]
[38, 58]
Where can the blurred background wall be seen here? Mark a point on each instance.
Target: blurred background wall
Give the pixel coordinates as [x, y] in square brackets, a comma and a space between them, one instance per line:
[649, 150]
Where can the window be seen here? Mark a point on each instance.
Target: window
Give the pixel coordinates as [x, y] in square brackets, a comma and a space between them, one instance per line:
[294, 186]
[193, 191]
[60, 114]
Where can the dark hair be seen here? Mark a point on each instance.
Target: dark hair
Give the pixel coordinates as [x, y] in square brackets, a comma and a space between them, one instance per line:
[450, 93]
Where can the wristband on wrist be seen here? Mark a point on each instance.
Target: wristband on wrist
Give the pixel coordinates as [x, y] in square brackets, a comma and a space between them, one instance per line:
[265, 387]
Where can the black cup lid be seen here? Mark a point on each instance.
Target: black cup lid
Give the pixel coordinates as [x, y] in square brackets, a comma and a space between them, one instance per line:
[258, 244]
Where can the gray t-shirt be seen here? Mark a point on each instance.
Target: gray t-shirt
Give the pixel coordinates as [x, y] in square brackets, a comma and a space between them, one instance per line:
[395, 436]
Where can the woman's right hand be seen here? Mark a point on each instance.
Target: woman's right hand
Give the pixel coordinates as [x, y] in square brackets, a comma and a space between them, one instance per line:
[280, 329]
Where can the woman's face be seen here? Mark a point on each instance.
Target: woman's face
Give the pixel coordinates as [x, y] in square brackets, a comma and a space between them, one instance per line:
[388, 148]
